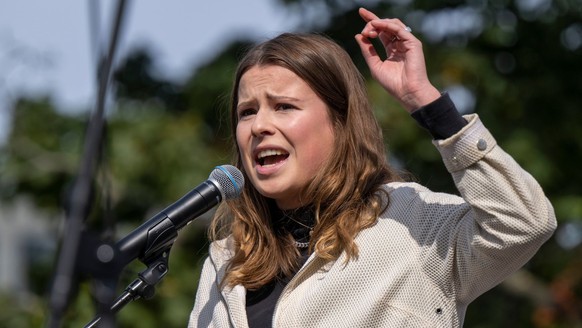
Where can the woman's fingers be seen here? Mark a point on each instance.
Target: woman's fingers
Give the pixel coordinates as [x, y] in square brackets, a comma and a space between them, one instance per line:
[368, 51]
[393, 27]
[387, 30]
[367, 15]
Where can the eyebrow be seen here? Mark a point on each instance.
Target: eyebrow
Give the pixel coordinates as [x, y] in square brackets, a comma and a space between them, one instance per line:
[244, 104]
[275, 97]
[270, 97]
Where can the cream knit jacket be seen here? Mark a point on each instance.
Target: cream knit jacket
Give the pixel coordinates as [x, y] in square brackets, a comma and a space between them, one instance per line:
[427, 258]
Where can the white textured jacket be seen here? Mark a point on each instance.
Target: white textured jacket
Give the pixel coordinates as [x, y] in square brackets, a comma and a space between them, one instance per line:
[427, 258]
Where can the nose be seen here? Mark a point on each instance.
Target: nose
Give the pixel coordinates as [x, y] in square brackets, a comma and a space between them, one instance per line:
[263, 123]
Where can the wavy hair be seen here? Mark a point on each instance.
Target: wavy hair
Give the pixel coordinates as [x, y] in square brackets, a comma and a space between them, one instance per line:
[346, 193]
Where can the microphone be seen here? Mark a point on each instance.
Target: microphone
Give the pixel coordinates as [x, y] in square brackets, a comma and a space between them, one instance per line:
[159, 232]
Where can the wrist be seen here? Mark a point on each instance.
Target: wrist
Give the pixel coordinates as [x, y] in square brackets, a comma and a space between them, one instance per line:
[420, 98]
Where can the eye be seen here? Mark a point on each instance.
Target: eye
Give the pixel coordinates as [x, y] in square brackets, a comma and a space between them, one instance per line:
[285, 106]
[244, 112]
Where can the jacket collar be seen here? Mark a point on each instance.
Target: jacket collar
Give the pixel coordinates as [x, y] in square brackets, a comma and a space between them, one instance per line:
[234, 297]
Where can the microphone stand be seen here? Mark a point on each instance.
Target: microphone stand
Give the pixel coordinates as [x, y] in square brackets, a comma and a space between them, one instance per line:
[154, 252]
[144, 285]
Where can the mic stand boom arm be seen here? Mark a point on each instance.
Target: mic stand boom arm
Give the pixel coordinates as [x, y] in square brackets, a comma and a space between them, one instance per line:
[142, 287]
[160, 241]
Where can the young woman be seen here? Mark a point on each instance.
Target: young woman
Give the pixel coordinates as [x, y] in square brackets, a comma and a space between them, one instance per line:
[325, 233]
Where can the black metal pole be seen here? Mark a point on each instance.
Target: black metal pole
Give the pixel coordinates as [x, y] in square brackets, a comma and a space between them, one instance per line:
[64, 276]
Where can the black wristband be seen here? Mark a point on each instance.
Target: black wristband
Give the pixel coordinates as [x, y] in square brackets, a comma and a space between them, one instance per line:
[440, 117]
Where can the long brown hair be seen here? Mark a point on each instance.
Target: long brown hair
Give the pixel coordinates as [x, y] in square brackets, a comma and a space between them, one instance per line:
[346, 191]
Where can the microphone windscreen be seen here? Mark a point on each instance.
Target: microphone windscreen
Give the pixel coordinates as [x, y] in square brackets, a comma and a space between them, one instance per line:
[229, 179]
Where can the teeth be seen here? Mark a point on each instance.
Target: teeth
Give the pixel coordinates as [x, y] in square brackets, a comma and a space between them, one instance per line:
[270, 152]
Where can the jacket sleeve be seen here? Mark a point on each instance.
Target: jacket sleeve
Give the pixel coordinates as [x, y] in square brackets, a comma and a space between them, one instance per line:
[505, 217]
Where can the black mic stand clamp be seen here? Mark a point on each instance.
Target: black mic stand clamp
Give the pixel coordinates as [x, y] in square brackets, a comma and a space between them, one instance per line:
[144, 285]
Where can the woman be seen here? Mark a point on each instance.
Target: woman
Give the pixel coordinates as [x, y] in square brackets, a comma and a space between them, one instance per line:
[325, 233]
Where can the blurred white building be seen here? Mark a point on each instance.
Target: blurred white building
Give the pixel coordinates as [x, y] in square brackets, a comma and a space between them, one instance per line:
[25, 238]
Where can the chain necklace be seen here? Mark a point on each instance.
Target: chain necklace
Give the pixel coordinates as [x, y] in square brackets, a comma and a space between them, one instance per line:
[302, 214]
[301, 244]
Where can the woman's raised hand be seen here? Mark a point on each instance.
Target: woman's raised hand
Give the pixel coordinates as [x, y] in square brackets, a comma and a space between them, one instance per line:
[403, 72]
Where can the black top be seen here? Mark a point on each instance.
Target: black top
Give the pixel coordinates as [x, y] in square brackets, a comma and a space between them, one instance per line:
[440, 118]
[260, 304]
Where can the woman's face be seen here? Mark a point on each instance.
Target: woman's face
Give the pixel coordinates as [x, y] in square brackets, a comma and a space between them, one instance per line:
[284, 133]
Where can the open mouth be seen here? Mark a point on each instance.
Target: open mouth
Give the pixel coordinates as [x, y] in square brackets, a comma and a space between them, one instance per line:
[271, 157]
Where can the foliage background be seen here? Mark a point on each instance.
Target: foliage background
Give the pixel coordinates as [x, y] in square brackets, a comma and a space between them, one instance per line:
[515, 63]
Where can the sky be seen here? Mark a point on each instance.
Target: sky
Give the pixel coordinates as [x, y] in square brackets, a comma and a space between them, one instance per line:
[49, 47]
